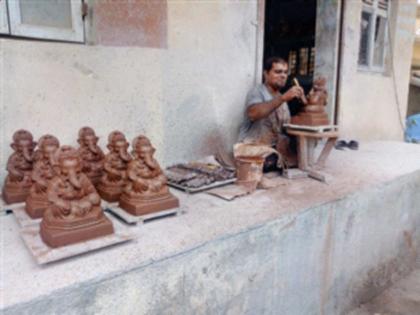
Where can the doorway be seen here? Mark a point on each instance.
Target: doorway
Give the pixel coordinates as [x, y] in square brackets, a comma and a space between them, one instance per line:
[289, 33]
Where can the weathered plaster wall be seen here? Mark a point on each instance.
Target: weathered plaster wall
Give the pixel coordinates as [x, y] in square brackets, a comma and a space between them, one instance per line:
[326, 260]
[367, 101]
[326, 47]
[188, 98]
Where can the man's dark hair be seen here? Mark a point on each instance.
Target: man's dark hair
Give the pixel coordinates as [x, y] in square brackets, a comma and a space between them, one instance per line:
[268, 63]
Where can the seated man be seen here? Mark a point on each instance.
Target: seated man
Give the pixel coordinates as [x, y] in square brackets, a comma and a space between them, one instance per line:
[262, 133]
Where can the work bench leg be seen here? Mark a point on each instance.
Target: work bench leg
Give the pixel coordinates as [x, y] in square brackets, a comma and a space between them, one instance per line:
[311, 151]
[325, 152]
[302, 153]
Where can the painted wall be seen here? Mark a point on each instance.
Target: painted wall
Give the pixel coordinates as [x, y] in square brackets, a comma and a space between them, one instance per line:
[368, 106]
[187, 95]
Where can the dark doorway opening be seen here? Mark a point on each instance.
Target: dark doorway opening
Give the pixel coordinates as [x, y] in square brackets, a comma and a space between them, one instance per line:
[289, 32]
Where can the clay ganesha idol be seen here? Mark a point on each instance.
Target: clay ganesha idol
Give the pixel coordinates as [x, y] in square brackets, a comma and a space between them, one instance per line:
[91, 154]
[18, 181]
[74, 213]
[313, 113]
[115, 167]
[43, 172]
[146, 190]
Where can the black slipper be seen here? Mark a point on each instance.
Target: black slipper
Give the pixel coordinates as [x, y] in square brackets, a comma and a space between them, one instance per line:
[340, 145]
[353, 145]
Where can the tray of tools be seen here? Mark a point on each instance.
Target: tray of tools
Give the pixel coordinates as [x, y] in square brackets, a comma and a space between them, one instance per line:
[195, 177]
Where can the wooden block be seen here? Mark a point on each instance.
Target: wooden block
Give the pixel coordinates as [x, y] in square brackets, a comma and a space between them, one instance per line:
[322, 177]
[294, 173]
[5, 208]
[44, 254]
[23, 217]
[133, 219]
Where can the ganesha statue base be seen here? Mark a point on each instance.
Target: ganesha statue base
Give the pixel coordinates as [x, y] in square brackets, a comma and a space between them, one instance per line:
[16, 192]
[141, 205]
[311, 119]
[58, 232]
[109, 193]
[36, 205]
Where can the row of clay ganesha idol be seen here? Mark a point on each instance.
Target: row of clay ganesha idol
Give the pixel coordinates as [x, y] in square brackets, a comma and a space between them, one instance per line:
[63, 185]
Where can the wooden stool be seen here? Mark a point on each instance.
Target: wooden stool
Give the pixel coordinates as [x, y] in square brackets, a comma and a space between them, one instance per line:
[306, 146]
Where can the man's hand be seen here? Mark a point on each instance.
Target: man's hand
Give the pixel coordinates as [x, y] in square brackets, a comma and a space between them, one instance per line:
[293, 92]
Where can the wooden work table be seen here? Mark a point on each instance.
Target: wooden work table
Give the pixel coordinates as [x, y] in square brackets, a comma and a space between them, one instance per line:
[306, 145]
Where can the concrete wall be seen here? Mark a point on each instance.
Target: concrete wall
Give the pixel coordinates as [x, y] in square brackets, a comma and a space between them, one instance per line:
[188, 98]
[325, 260]
[368, 106]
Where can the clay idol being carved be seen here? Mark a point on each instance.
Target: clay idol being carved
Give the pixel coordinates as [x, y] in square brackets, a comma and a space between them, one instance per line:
[74, 213]
[115, 167]
[313, 113]
[146, 191]
[91, 154]
[43, 172]
[18, 181]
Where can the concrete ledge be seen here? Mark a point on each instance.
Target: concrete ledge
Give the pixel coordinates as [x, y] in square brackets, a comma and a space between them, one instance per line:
[301, 248]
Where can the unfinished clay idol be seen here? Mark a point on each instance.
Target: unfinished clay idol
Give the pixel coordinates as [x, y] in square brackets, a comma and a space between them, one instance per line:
[115, 167]
[313, 113]
[91, 154]
[18, 181]
[74, 213]
[146, 190]
[43, 172]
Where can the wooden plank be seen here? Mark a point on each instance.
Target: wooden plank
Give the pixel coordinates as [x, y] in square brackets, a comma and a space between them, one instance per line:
[44, 254]
[322, 128]
[23, 218]
[317, 135]
[140, 219]
[5, 208]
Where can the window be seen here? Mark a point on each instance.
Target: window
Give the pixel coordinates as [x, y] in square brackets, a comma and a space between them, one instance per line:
[373, 35]
[302, 61]
[48, 19]
[292, 62]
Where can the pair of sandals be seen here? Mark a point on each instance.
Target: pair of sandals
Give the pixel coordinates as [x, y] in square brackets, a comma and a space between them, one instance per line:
[342, 144]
